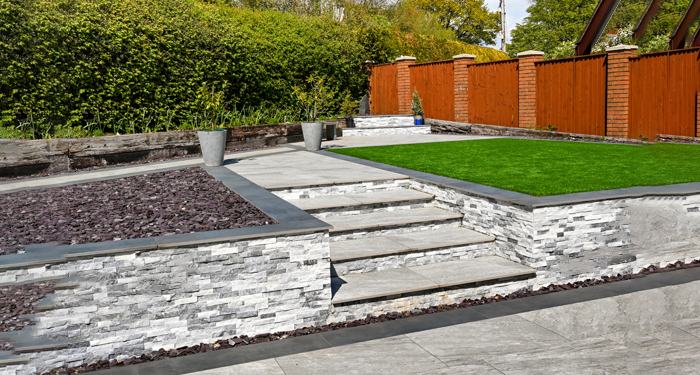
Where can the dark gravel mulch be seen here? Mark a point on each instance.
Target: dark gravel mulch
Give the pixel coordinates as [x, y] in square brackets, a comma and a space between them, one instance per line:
[115, 165]
[246, 340]
[157, 204]
[20, 300]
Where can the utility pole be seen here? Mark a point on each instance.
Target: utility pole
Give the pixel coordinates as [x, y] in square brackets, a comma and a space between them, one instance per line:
[503, 25]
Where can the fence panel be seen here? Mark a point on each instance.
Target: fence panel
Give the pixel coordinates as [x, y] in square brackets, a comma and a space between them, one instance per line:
[663, 94]
[384, 90]
[571, 94]
[435, 85]
[493, 93]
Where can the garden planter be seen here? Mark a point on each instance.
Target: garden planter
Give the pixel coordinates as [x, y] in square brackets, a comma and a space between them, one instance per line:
[313, 133]
[418, 119]
[213, 144]
[331, 132]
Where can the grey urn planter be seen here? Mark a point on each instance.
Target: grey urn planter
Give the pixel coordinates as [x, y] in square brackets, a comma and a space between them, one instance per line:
[213, 144]
[313, 133]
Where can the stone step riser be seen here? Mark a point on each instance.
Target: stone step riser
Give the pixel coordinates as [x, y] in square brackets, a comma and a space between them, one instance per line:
[390, 230]
[369, 208]
[342, 189]
[411, 259]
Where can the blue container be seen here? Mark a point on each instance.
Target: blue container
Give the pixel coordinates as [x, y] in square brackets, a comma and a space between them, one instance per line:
[418, 122]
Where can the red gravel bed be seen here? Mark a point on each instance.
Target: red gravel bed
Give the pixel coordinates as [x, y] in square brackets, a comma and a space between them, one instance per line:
[246, 340]
[156, 204]
[20, 300]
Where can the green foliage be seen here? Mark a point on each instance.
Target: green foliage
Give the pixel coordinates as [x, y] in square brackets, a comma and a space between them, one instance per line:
[471, 20]
[130, 66]
[553, 25]
[416, 104]
[316, 98]
[348, 107]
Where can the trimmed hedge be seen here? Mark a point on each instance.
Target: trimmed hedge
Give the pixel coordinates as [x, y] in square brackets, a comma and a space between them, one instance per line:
[67, 63]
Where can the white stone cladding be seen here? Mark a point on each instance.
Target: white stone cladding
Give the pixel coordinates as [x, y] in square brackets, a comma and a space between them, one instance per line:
[369, 208]
[409, 228]
[359, 132]
[130, 304]
[382, 121]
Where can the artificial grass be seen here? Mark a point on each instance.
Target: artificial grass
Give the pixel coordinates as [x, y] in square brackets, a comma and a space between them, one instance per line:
[543, 168]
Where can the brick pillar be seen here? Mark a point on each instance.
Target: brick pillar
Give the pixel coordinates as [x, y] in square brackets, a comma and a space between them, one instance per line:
[618, 95]
[404, 77]
[461, 68]
[527, 85]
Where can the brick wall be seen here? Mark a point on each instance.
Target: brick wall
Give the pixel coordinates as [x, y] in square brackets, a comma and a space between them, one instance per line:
[527, 80]
[404, 77]
[617, 113]
[461, 69]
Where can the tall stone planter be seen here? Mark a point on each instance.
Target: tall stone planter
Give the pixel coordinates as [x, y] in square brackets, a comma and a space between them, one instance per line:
[313, 133]
[213, 144]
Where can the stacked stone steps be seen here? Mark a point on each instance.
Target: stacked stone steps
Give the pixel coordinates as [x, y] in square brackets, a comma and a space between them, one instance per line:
[392, 246]
[385, 125]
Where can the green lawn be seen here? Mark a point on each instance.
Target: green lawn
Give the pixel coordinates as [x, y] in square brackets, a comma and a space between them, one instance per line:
[544, 168]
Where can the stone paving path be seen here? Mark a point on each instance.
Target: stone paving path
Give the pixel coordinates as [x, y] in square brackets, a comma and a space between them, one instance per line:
[655, 331]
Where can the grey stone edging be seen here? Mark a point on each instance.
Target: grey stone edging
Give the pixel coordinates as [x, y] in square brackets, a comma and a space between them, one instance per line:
[378, 116]
[529, 201]
[348, 336]
[291, 220]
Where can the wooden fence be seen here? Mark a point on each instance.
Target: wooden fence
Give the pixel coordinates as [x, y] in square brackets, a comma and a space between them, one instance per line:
[435, 85]
[384, 94]
[571, 94]
[493, 93]
[663, 93]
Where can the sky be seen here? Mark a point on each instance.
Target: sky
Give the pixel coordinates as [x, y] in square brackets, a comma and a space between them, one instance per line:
[516, 10]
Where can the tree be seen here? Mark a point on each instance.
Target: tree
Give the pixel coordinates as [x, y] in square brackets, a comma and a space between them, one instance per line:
[471, 20]
[553, 25]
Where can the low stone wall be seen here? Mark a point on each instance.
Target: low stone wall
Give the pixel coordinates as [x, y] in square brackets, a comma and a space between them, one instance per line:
[592, 238]
[26, 157]
[138, 302]
[383, 121]
[132, 297]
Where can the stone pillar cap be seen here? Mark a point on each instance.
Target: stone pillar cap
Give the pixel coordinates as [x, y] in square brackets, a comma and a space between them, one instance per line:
[530, 53]
[403, 58]
[622, 47]
[464, 56]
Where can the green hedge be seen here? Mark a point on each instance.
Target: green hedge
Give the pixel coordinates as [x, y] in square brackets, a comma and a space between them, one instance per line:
[128, 64]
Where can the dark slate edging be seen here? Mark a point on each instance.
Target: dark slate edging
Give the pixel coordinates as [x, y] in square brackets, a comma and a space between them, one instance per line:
[291, 221]
[529, 201]
[347, 336]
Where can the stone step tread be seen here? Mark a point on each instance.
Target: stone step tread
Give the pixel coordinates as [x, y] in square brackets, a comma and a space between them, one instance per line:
[350, 200]
[395, 283]
[377, 220]
[365, 127]
[343, 251]
[7, 358]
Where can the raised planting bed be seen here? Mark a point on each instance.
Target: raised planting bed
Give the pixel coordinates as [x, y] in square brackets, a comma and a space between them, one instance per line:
[157, 204]
[17, 300]
[544, 168]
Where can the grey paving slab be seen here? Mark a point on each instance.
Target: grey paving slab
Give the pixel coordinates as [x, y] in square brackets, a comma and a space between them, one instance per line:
[396, 355]
[466, 343]
[589, 356]
[380, 219]
[441, 238]
[477, 368]
[378, 197]
[293, 167]
[267, 366]
[365, 247]
[378, 284]
[465, 271]
[673, 344]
